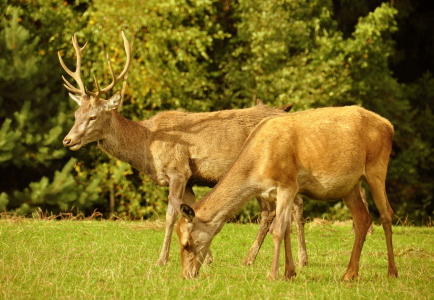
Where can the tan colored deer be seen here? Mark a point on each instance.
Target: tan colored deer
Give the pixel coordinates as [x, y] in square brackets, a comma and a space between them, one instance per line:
[323, 154]
[173, 148]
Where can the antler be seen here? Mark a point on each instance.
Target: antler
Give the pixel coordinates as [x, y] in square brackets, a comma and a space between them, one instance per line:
[75, 75]
[114, 79]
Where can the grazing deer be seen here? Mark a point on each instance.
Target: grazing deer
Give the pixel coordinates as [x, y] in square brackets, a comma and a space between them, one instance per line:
[173, 148]
[323, 154]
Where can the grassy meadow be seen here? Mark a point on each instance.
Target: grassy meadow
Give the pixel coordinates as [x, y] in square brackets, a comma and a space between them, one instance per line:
[89, 259]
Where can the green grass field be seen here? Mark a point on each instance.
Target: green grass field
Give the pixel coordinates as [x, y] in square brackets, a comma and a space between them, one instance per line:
[116, 260]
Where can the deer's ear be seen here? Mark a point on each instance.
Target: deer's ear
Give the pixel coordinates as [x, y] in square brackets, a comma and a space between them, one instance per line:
[113, 102]
[75, 98]
[287, 107]
[187, 212]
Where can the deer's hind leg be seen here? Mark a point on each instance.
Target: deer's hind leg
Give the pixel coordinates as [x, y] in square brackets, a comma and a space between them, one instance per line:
[362, 221]
[378, 191]
[363, 196]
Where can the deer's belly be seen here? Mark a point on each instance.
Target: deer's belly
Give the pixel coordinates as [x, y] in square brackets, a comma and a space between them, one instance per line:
[328, 188]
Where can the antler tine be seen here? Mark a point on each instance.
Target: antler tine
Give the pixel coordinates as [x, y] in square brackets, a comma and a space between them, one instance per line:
[79, 51]
[67, 84]
[114, 78]
[76, 74]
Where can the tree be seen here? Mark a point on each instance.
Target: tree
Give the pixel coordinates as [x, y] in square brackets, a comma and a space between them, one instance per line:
[32, 115]
[411, 63]
[199, 56]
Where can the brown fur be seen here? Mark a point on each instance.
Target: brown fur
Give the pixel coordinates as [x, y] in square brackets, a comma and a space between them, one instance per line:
[174, 149]
[323, 154]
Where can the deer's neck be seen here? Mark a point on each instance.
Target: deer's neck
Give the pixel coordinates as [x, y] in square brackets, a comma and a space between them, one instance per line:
[224, 201]
[127, 140]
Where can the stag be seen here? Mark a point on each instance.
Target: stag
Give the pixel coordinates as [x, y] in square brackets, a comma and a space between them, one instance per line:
[175, 149]
[323, 154]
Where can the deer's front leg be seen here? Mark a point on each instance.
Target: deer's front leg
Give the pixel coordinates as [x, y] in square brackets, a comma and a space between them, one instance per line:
[190, 199]
[170, 222]
[281, 230]
[297, 214]
[176, 189]
[289, 262]
[268, 212]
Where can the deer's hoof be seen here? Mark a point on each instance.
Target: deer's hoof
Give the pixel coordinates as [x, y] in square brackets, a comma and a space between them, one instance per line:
[273, 277]
[289, 275]
[392, 273]
[161, 262]
[348, 276]
[248, 261]
[208, 260]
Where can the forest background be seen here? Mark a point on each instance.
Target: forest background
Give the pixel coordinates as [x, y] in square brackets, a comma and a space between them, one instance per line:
[207, 55]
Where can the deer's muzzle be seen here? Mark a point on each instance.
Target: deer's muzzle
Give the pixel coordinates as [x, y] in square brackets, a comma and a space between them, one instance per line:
[190, 274]
[71, 144]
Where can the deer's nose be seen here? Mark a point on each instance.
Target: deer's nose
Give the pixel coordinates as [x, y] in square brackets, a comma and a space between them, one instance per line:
[66, 142]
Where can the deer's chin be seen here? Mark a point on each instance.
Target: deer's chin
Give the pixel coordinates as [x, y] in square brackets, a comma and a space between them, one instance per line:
[75, 147]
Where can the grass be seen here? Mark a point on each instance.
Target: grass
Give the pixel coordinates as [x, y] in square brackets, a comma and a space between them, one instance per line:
[116, 260]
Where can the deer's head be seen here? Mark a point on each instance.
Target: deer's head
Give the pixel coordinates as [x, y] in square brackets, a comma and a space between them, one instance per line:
[194, 240]
[92, 119]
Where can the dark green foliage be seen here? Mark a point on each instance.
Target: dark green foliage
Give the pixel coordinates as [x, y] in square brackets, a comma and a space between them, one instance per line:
[33, 113]
[199, 56]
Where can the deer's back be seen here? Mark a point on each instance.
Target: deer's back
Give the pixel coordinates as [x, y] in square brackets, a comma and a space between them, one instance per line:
[202, 145]
[327, 151]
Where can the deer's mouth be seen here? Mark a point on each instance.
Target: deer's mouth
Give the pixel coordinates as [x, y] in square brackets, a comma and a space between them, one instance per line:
[75, 147]
[190, 274]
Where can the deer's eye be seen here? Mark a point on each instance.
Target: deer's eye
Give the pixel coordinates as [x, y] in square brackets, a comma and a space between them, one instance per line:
[92, 118]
